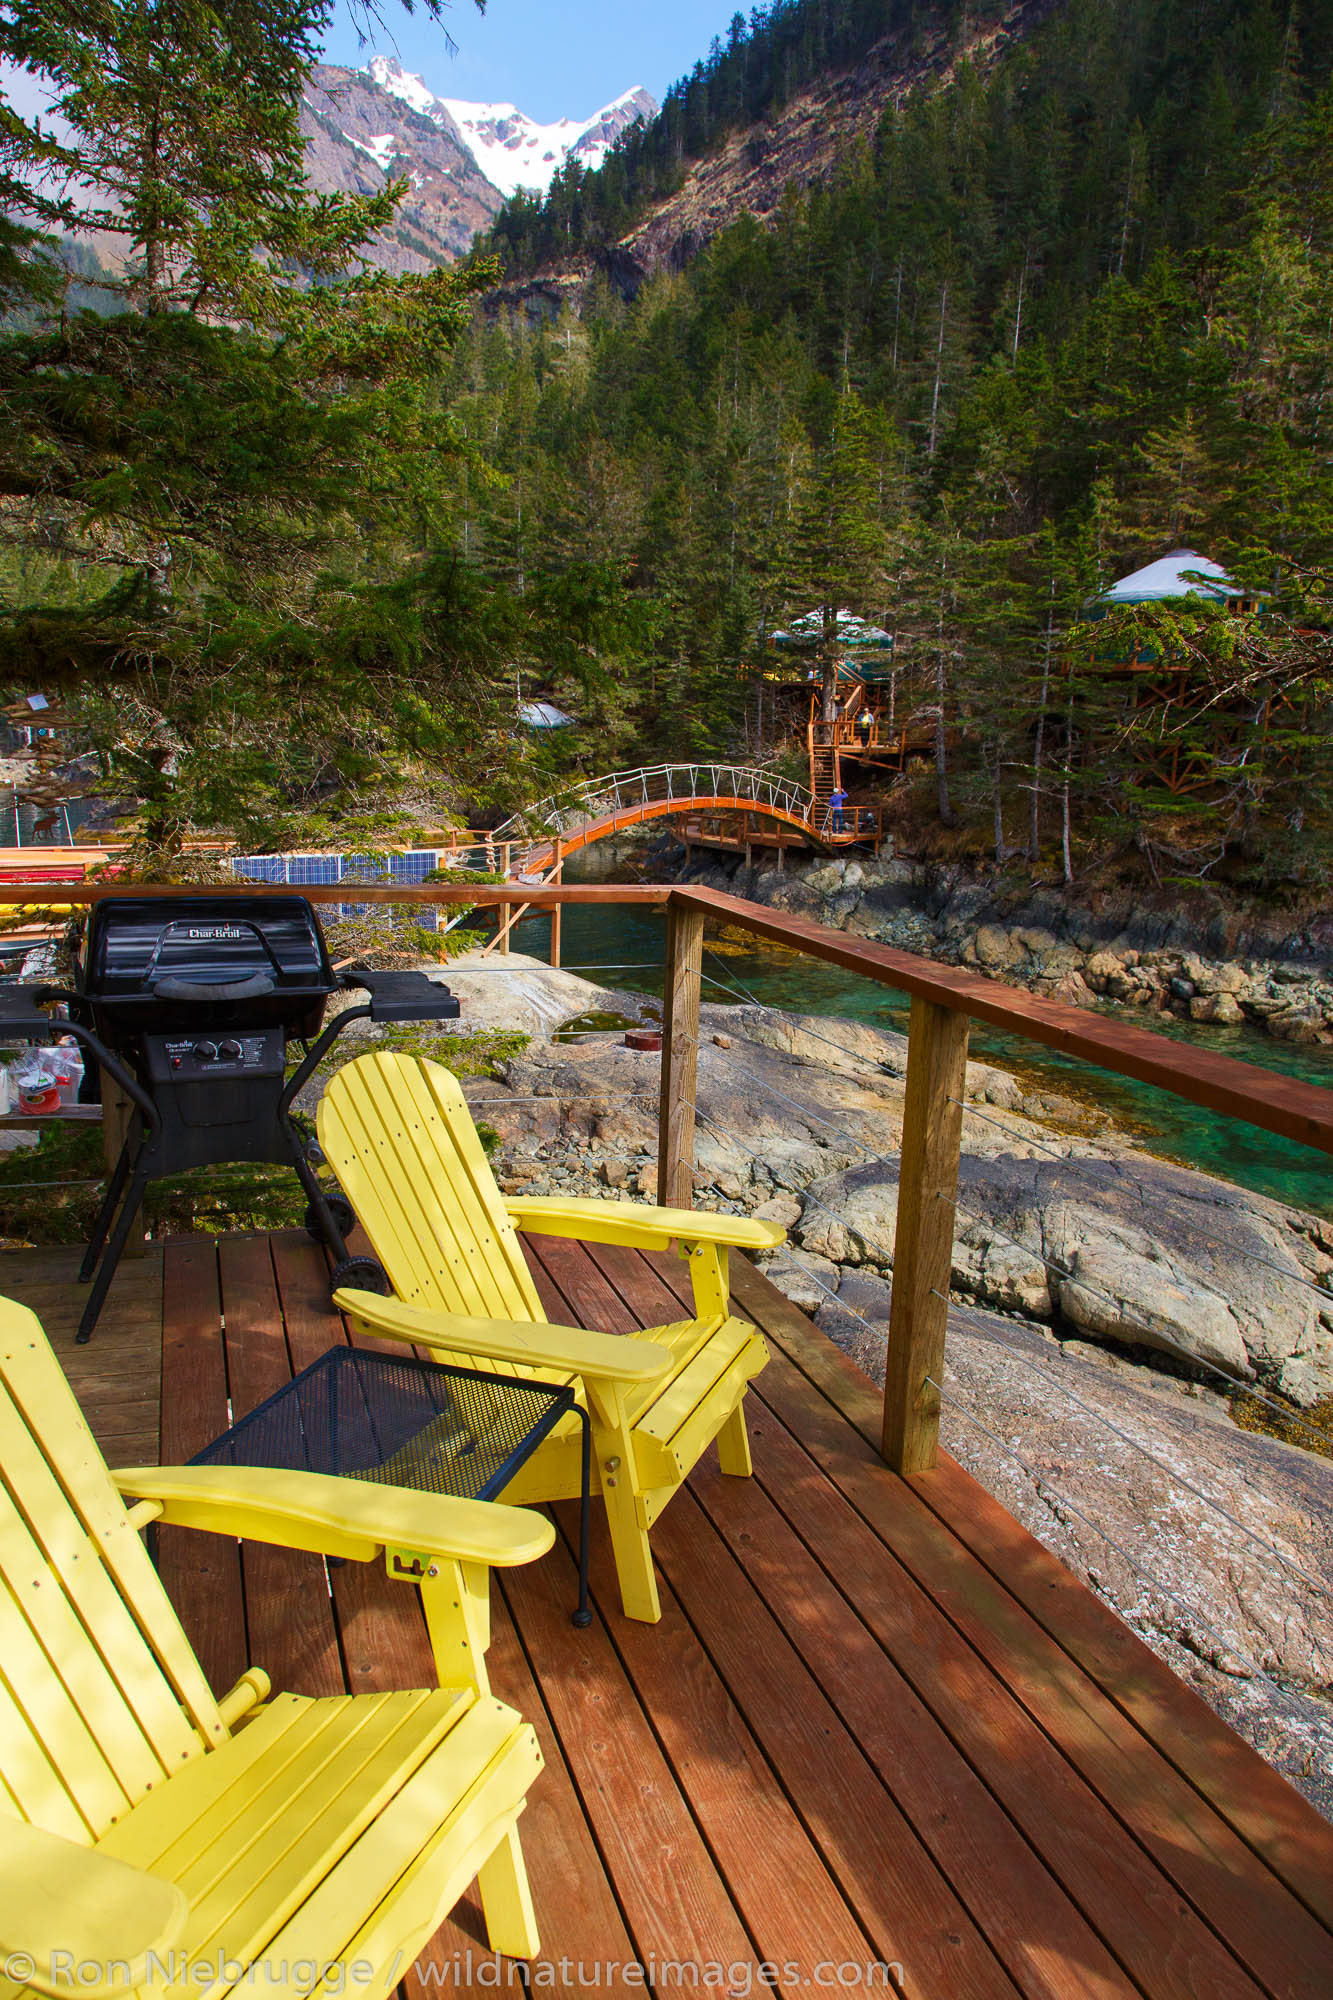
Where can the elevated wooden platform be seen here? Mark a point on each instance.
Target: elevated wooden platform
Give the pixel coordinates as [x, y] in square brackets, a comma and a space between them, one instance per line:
[878, 1724]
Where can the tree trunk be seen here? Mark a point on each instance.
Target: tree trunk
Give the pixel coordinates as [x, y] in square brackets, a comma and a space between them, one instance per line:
[1034, 823]
[1018, 305]
[942, 804]
[939, 374]
[828, 707]
[1069, 758]
[154, 256]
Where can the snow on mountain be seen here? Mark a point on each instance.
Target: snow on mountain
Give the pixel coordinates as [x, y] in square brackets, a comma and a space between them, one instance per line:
[390, 75]
[365, 127]
[512, 150]
[381, 148]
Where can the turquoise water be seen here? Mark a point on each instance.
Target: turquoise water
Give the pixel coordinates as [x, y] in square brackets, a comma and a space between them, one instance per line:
[599, 939]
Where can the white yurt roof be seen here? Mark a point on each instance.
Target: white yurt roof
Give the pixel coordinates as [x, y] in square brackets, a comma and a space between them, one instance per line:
[1182, 573]
[543, 715]
[850, 631]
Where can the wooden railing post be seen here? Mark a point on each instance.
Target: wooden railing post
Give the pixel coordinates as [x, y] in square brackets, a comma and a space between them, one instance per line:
[680, 1055]
[559, 876]
[923, 1246]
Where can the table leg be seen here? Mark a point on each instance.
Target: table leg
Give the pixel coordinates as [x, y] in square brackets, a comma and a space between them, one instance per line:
[583, 1616]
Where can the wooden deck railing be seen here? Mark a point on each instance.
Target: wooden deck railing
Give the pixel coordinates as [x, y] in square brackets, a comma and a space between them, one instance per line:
[945, 1000]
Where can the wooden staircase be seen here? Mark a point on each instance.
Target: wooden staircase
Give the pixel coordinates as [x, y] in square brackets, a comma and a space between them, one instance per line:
[824, 776]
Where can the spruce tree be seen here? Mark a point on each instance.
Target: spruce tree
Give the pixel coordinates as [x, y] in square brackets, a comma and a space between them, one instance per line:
[222, 500]
[840, 529]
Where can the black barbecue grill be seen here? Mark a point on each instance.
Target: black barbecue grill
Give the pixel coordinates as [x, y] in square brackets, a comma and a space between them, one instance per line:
[189, 1004]
[150, 963]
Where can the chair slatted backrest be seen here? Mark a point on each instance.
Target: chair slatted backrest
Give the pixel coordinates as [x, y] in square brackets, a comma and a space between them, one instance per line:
[100, 1693]
[398, 1134]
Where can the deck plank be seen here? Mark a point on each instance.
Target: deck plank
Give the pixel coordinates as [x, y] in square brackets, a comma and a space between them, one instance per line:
[1057, 1882]
[577, 1912]
[202, 1572]
[383, 1636]
[675, 1903]
[1266, 1811]
[906, 1904]
[288, 1616]
[785, 1893]
[1269, 1813]
[117, 1376]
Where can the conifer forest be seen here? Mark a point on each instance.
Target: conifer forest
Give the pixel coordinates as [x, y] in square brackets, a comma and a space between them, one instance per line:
[288, 537]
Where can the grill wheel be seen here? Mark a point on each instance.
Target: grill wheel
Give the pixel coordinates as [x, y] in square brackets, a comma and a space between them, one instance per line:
[362, 1274]
[340, 1208]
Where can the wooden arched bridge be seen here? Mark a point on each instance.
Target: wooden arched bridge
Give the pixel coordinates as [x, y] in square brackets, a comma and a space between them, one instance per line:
[731, 805]
[561, 825]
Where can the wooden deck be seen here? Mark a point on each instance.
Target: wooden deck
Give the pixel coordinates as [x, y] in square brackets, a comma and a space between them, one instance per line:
[878, 1724]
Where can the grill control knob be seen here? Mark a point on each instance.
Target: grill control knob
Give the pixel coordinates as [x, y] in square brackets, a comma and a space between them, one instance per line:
[205, 1052]
[230, 1052]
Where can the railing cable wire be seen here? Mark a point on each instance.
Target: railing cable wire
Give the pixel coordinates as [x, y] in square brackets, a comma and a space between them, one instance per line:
[498, 964]
[1070, 1159]
[1159, 1339]
[1043, 1258]
[1269, 1548]
[1040, 1479]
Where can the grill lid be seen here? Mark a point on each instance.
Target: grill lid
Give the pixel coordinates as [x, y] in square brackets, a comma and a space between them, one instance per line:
[184, 949]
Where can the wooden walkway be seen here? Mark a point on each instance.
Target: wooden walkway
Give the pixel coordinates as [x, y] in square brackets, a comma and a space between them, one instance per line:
[877, 1725]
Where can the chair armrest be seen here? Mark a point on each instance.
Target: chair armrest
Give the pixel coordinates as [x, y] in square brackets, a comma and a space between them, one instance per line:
[568, 1350]
[352, 1518]
[638, 1224]
[64, 1907]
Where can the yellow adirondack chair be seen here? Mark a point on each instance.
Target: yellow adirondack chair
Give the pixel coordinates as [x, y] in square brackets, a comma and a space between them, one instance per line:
[398, 1134]
[143, 1836]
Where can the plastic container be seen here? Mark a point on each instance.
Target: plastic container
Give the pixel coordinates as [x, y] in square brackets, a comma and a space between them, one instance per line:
[35, 1084]
[66, 1065]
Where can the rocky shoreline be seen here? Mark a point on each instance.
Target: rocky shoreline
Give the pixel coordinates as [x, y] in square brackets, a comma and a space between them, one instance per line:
[1199, 962]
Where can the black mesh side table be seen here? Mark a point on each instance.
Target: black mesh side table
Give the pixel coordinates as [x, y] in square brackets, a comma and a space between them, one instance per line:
[404, 1422]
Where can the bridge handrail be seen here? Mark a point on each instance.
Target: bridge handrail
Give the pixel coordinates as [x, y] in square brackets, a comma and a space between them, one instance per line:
[598, 798]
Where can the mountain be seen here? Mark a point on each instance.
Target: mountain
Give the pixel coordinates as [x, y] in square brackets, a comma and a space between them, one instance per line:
[461, 160]
[515, 152]
[805, 140]
[780, 107]
[359, 135]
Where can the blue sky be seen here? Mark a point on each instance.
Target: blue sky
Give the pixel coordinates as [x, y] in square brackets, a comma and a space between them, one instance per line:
[551, 58]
